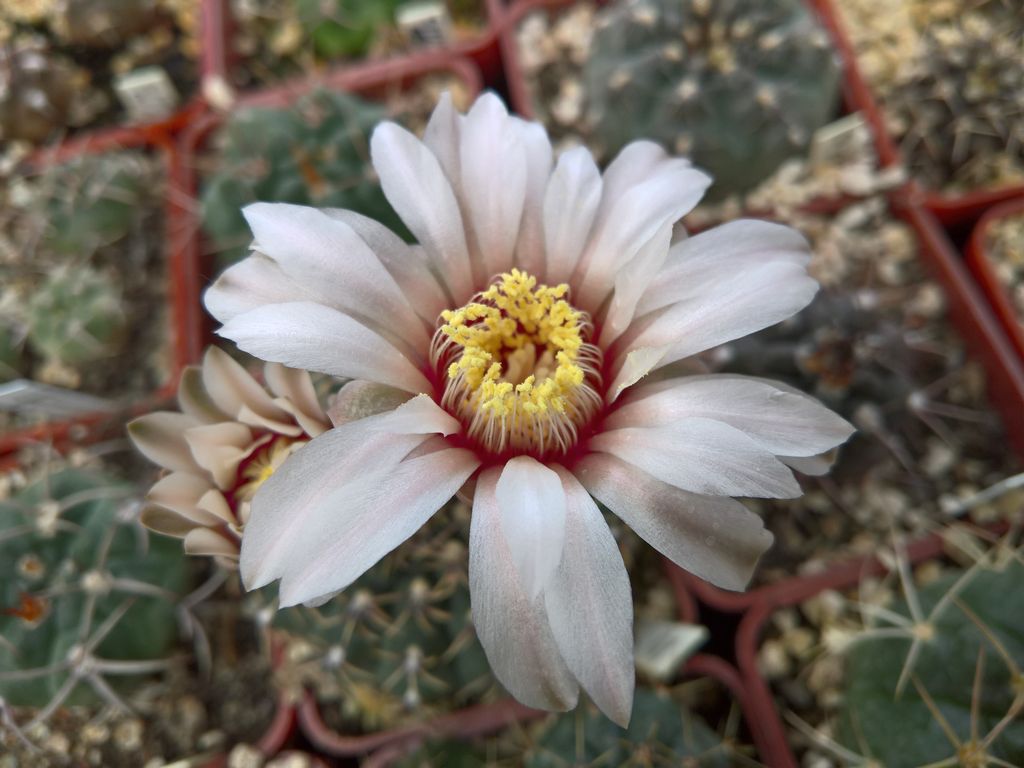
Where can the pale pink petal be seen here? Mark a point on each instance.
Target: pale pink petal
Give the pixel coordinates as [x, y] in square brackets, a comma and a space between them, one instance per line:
[512, 628]
[779, 419]
[307, 483]
[699, 263]
[331, 261]
[160, 437]
[530, 247]
[358, 399]
[214, 503]
[194, 400]
[571, 200]
[419, 416]
[166, 522]
[180, 492]
[360, 522]
[407, 264]
[231, 388]
[590, 607]
[701, 456]
[815, 466]
[251, 283]
[219, 449]
[715, 538]
[747, 302]
[296, 387]
[203, 541]
[630, 283]
[636, 365]
[672, 190]
[419, 191]
[443, 135]
[636, 163]
[531, 504]
[318, 338]
[493, 164]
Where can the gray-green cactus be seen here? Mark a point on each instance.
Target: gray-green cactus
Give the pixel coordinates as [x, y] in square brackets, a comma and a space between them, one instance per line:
[88, 598]
[102, 23]
[92, 202]
[662, 732]
[737, 85]
[76, 317]
[316, 153]
[37, 87]
[957, 105]
[398, 644]
[939, 681]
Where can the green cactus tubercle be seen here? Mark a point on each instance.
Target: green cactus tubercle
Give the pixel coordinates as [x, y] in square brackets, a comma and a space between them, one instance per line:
[398, 643]
[92, 202]
[84, 590]
[969, 669]
[739, 86]
[316, 153]
[76, 317]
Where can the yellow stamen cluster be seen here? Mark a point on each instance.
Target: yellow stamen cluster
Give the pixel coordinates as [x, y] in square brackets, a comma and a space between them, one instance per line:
[518, 365]
[262, 465]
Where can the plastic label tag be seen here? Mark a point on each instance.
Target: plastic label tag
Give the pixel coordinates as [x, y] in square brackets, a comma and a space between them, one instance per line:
[26, 396]
[147, 94]
[662, 646]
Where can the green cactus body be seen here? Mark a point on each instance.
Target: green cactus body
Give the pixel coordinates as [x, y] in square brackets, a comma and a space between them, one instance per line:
[85, 593]
[316, 153]
[36, 91]
[92, 202]
[344, 28]
[958, 105]
[738, 85]
[662, 732]
[397, 644]
[76, 317]
[979, 625]
[102, 23]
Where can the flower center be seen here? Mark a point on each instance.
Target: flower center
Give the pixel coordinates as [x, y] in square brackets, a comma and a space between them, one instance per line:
[261, 464]
[518, 370]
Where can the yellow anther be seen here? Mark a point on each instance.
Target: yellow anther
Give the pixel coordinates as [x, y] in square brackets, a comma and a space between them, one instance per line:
[513, 313]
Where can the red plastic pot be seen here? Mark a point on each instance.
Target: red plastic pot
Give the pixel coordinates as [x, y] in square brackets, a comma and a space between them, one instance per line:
[984, 271]
[950, 209]
[187, 241]
[219, 59]
[181, 292]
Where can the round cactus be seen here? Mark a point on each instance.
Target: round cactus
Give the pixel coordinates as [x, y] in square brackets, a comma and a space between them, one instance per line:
[106, 192]
[738, 85]
[37, 87]
[86, 597]
[942, 682]
[316, 153]
[77, 316]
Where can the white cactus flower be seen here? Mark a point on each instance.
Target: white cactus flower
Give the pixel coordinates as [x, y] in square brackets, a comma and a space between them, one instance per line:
[530, 350]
